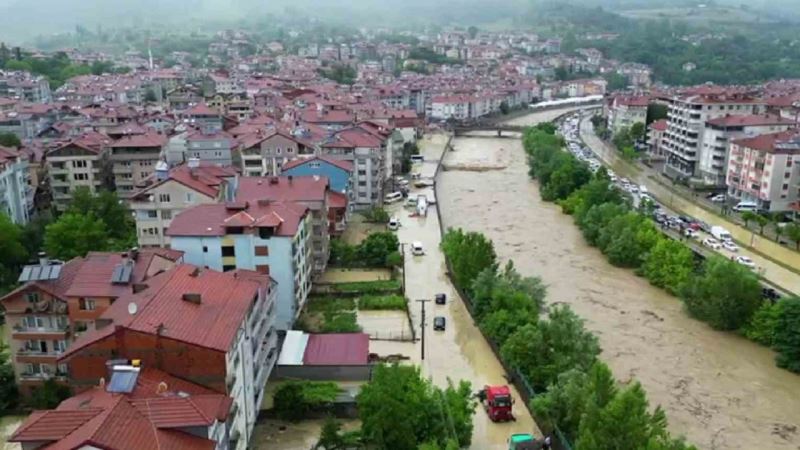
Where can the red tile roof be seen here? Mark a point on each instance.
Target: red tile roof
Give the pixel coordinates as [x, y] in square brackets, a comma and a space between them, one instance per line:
[354, 137]
[93, 278]
[344, 165]
[659, 125]
[209, 220]
[284, 188]
[201, 109]
[750, 120]
[637, 101]
[337, 349]
[767, 142]
[150, 139]
[337, 200]
[206, 179]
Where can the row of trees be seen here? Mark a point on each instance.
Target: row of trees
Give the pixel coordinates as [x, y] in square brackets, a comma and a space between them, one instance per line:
[791, 230]
[556, 355]
[377, 250]
[57, 68]
[724, 294]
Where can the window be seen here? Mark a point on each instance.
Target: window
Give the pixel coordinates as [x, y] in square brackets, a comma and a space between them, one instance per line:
[80, 327]
[785, 187]
[60, 346]
[189, 197]
[262, 250]
[228, 268]
[163, 198]
[277, 150]
[228, 251]
[166, 214]
[86, 304]
[63, 369]
[79, 164]
[152, 214]
[32, 297]
[313, 165]
[205, 249]
[80, 176]
[265, 233]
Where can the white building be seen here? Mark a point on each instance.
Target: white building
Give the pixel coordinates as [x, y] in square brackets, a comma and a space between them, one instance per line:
[16, 194]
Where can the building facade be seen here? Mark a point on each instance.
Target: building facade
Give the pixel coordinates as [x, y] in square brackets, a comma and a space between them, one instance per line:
[133, 160]
[16, 191]
[81, 162]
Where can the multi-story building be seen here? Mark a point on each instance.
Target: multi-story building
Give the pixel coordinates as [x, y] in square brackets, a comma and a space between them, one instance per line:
[686, 119]
[458, 107]
[214, 148]
[213, 329]
[655, 137]
[24, 86]
[59, 301]
[718, 132]
[268, 237]
[173, 190]
[16, 199]
[81, 162]
[309, 191]
[367, 153]
[339, 173]
[133, 158]
[265, 154]
[623, 112]
[153, 410]
[204, 118]
[765, 169]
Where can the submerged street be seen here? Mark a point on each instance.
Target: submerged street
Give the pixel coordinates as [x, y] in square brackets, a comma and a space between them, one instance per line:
[718, 389]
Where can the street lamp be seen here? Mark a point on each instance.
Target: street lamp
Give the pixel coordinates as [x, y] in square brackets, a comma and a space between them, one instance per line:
[403, 258]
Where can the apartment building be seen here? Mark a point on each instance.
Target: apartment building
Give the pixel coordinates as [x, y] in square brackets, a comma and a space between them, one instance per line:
[16, 192]
[204, 118]
[80, 162]
[268, 237]
[339, 173]
[25, 86]
[310, 191]
[766, 169]
[686, 119]
[655, 138]
[458, 107]
[624, 111]
[133, 159]
[215, 147]
[718, 132]
[213, 329]
[171, 191]
[367, 153]
[265, 154]
[57, 302]
[138, 408]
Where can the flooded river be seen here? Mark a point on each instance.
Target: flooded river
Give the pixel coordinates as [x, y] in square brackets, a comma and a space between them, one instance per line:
[721, 391]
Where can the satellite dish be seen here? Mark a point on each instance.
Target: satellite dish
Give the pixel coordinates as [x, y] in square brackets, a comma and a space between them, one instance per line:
[132, 308]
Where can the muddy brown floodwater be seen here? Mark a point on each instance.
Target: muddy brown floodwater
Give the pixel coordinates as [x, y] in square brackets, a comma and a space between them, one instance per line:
[719, 390]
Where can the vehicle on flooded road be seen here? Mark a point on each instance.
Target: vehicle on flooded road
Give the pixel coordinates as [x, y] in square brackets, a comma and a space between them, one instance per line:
[417, 249]
[441, 299]
[439, 323]
[746, 261]
[712, 243]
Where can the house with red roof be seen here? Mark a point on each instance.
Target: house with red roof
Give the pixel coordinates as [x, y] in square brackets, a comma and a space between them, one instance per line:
[79, 162]
[265, 152]
[266, 236]
[56, 302]
[330, 357]
[655, 134]
[763, 169]
[133, 158]
[204, 328]
[170, 191]
[366, 151]
[158, 412]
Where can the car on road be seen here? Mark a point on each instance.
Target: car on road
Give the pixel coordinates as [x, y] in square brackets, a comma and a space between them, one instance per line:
[719, 198]
[394, 223]
[440, 299]
[417, 249]
[746, 261]
[438, 323]
[712, 243]
[730, 246]
[691, 234]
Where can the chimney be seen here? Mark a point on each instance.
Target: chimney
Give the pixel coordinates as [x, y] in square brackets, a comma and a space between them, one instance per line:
[161, 388]
[194, 273]
[192, 297]
[134, 253]
[43, 259]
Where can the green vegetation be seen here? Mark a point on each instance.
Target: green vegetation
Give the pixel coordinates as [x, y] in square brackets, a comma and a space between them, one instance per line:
[48, 395]
[388, 302]
[10, 140]
[57, 68]
[409, 149]
[377, 250]
[724, 294]
[329, 315]
[426, 54]
[431, 417]
[13, 254]
[376, 215]
[469, 254]
[294, 400]
[340, 73]
[333, 438]
[9, 394]
[367, 287]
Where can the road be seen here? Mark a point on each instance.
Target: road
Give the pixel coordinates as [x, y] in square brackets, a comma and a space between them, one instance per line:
[459, 352]
[775, 273]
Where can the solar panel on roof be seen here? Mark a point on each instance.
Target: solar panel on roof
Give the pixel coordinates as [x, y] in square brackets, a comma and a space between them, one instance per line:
[123, 381]
[55, 272]
[122, 273]
[38, 272]
[25, 275]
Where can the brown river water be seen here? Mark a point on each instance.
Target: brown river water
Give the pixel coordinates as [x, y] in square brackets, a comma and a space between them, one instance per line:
[719, 390]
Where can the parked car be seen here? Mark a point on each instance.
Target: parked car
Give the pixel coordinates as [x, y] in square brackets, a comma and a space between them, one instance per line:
[770, 294]
[719, 198]
[441, 299]
[438, 323]
[394, 223]
[691, 233]
[730, 246]
[712, 243]
[417, 249]
[746, 261]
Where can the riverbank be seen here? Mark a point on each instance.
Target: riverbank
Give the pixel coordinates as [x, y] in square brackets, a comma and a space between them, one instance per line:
[720, 390]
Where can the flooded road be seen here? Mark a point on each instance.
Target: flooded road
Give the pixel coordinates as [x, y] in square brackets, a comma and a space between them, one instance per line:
[720, 390]
[784, 278]
[459, 352]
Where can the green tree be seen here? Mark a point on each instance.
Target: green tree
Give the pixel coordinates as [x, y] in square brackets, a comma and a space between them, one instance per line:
[542, 351]
[469, 254]
[9, 394]
[793, 232]
[294, 400]
[669, 265]
[504, 109]
[627, 239]
[638, 131]
[616, 82]
[374, 250]
[596, 192]
[597, 218]
[107, 206]
[787, 335]
[763, 326]
[748, 216]
[725, 294]
[565, 180]
[656, 111]
[10, 140]
[74, 235]
[623, 424]
[48, 395]
[13, 254]
[762, 222]
[472, 31]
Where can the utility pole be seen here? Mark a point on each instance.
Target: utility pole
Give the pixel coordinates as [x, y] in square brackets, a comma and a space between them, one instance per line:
[403, 255]
[422, 347]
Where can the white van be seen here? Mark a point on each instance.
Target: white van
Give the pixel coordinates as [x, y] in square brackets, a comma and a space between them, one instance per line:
[416, 249]
[745, 206]
[411, 201]
[394, 223]
[393, 197]
[720, 233]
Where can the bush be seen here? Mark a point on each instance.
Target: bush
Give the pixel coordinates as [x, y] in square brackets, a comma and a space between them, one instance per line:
[764, 324]
[377, 250]
[390, 302]
[669, 265]
[322, 304]
[49, 395]
[294, 400]
[376, 215]
[368, 287]
[339, 322]
[787, 335]
[469, 254]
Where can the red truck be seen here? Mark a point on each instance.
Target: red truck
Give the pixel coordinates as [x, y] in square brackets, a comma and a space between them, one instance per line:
[497, 402]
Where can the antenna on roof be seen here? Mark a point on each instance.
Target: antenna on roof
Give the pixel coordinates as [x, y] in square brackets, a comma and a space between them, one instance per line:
[133, 308]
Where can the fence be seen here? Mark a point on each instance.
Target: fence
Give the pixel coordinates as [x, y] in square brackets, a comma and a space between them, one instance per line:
[519, 381]
[394, 336]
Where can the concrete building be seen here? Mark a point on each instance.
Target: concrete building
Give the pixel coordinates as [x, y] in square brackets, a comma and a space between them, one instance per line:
[264, 154]
[213, 329]
[713, 160]
[268, 237]
[309, 191]
[686, 119]
[56, 302]
[367, 153]
[16, 192]
[655, 137]
[324, 357]
[171, 191]
[623, 112]
[25, 86]
[765, 169]
[81, 162]
[339, 173]
[133, 159]
[214, 148]
[153, 410]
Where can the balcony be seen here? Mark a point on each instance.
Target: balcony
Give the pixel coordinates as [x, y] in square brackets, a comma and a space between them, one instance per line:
[49, 333]
[39, 376]
[31, 356]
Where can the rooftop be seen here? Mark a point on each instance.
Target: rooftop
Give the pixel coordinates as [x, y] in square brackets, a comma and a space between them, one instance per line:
[283, 189]
[212, 219]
